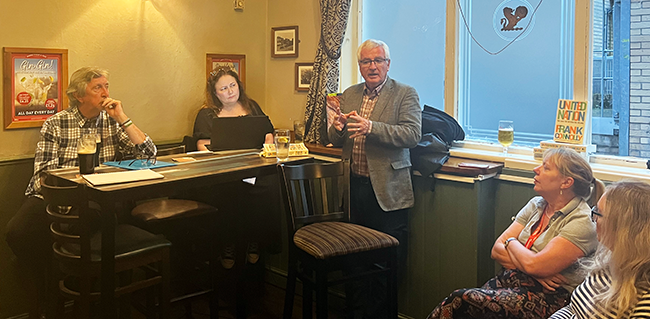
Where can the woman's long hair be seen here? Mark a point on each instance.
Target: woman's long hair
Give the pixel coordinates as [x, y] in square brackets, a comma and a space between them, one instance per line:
[624, 249]
[212, 100]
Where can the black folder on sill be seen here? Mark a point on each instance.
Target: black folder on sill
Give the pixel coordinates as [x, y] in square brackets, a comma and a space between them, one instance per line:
[241, 132]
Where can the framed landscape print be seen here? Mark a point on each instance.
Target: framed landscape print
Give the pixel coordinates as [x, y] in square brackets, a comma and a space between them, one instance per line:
[284, 42]
[35, 81]
[236, 62]
[304, 73]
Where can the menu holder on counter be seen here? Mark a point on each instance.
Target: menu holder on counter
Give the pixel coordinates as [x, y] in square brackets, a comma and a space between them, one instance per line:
[121, 177]
[295, 149]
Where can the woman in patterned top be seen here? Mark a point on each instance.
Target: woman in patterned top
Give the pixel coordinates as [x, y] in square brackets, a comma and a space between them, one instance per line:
[539, 250]
[619, 273]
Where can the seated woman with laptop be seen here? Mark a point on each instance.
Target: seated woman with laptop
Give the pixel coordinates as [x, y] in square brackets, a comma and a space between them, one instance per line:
[225, 97]
[246, 210]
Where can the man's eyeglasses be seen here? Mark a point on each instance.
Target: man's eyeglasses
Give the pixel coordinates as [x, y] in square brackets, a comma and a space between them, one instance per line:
[595, 214]
[144, 161]
[378, 62]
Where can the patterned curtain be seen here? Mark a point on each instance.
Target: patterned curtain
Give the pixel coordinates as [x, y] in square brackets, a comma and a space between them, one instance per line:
[325, 79]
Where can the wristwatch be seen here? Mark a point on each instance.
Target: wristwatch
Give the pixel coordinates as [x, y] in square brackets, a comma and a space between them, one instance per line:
[507, 242]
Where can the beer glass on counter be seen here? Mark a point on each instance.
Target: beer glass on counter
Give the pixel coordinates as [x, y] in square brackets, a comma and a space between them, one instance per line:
[506, 134]
[282, 138]
[298, 131]
[86, 148]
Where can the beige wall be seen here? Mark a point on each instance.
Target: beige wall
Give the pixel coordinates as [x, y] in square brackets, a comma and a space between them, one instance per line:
[282, 101]
[154, 49]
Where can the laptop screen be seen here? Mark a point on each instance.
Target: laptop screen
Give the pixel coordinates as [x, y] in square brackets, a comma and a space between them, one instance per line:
[241, 132]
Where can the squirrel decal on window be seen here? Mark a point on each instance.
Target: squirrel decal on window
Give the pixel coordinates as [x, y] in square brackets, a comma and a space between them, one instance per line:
[512, 19]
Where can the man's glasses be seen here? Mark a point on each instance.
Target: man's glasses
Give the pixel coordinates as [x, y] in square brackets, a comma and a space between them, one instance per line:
[595, 214]
[378, 62]
[144, 161]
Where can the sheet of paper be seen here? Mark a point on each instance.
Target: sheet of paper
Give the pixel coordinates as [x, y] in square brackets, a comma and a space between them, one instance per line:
[121, 177]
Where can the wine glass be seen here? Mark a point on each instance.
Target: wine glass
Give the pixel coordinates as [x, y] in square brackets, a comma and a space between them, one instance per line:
[506, 134]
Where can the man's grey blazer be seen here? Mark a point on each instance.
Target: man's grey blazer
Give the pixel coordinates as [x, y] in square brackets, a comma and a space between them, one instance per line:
[396, 127]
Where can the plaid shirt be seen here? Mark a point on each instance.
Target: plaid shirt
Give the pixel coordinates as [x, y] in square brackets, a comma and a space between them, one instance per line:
[57, 146]
[359, 164]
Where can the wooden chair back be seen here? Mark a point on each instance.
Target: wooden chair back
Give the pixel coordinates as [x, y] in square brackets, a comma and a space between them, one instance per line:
[315, 192]
[67, 208]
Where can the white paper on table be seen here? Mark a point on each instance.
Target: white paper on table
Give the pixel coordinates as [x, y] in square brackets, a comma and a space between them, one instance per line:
[121, 177]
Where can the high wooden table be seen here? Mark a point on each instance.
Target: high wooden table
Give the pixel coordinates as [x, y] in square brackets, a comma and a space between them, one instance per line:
[208, 169]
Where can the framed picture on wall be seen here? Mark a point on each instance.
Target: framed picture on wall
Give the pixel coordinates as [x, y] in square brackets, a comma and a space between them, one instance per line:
[284, 42]
[304, 73]
[236, 62]
[35, 81]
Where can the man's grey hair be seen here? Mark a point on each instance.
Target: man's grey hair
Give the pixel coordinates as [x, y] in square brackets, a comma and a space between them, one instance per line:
[79, 80]
[371, 44]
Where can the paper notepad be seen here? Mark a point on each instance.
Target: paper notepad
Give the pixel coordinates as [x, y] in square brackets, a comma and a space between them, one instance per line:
[121, 177]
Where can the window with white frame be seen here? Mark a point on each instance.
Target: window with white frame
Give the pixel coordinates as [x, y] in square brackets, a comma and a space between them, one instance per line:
[538, 66]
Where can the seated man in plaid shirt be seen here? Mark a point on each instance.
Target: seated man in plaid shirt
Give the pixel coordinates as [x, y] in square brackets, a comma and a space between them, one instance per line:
[91, 111]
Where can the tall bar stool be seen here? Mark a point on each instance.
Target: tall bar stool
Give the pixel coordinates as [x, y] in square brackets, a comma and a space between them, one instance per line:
[321, 239]
[141, 258]
[181, 221]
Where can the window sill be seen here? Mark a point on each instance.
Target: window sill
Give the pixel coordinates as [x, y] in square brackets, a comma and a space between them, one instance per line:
[521, 158]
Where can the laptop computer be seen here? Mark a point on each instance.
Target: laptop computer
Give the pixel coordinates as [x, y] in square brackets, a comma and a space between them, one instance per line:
[241, 132]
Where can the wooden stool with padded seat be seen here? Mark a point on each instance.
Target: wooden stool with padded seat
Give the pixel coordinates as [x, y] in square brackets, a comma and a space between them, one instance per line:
[77, 250]
[169, 217]
[321, 239]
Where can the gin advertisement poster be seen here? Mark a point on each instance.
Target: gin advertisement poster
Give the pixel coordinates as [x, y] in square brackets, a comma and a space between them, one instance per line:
[37, 87]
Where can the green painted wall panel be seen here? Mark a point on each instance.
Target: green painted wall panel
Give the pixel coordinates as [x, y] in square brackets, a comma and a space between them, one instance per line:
[15, 296]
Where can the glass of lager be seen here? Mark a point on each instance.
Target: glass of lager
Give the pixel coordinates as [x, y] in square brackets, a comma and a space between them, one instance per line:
[86, 148]
[506, 134]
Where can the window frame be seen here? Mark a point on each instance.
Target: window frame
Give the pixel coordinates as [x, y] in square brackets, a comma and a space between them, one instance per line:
[519, 157]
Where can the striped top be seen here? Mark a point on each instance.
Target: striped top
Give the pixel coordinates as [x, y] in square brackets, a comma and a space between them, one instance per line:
[583, 306]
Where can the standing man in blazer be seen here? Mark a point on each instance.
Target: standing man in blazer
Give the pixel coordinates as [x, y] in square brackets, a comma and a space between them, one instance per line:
[378, 122]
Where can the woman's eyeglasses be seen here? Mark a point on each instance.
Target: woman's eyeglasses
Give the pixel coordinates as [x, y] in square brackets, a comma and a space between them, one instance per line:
[595, 214]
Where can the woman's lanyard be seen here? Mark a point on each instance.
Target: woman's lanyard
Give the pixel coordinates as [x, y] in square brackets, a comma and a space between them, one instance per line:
[537, 231]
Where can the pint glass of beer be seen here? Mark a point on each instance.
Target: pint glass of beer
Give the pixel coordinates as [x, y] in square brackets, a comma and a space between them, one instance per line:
[86, 148]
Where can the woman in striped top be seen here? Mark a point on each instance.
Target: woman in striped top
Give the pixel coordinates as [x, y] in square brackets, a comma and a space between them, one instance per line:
[619, 273]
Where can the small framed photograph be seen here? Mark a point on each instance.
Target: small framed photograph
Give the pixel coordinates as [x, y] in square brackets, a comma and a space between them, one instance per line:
[35, 81]
[284, 42]
[304, 73]
[236, 62]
